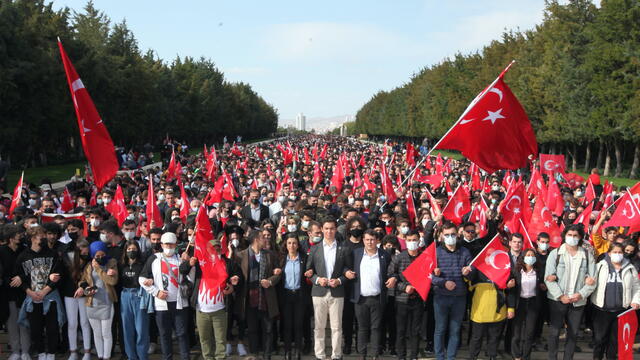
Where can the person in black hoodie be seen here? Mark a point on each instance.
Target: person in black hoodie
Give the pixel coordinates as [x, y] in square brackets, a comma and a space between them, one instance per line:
[19, 338]
[39, 270]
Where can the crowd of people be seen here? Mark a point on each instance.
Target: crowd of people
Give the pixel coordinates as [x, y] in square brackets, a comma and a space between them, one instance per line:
[312, 260]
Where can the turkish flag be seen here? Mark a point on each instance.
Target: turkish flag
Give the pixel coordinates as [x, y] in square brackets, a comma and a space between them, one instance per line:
[212, 265]
[410, 155]
[626, 214]
[152, 210]
[494, 131]
[590, 193]
[184, 204]
[513, 207]
[17, 196]
[584, 216]
[171, 169]
[542, 221]
[387, 186]
[362, 162]
[117, 207]
[627, 328]
[527, 243]
[457, 206]
[554, 198]
[47, 218]
[435, 207]
[419, 272]
[573, 180]
[536, 185]
[551, 164]
[434, 180]
[323, 153]
[96, 142]
[494, 262]
[607, 195]
[205, 153]
[635, 193]
[411, 209]
[317, 175]
[67, 201]
[482, 218]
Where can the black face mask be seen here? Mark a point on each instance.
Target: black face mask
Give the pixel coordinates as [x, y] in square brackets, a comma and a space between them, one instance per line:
[44, 243]
[49, 211]
[133, 254]
[101, 260]
[356, 232]
[157, 246]
[84, 257]
[629, 255]
[254, 201]
[73, 236]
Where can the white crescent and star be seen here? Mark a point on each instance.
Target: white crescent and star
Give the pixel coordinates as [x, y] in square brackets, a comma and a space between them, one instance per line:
[628, 205]
[457, 208]
[491, 259]
[626, 329]
[510, 200]
[547, 167]
[491, 115]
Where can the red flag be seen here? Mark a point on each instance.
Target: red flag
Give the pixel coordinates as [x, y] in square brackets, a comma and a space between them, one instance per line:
[475, 178]
[554, 198]
[494, 262]
[434, 180]
[507, 138]
[307, 159]
[513, 207]
[607, 194]
[410, 155]
[171, 169]
[323, 153]
[118, 206]
[536, 185]
[93, 201]
[551, 164]
[184, 204]
[152, 211]
[96, 142]
[439, 164]
[527, 243]
[387, 186]
[542, 221]
[627, 329]
[362, 162]
[411, 209]
[435, 207]
[67, 201]
[17, 196]
[573, 180]
[589, 194]
[317, 175]
[457, 206]
[419, 272]
[635, 193]
[259, 153]
[47, 218]
[235, 151]
[205, 153]
[584, 216]
[213, 267]
[626, 214]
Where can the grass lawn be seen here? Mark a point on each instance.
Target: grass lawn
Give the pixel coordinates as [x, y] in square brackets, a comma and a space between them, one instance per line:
[35, 175]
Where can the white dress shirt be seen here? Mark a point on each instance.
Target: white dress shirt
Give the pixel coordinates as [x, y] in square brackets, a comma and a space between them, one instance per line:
[369, 274]
[528, 284]
[329, 256]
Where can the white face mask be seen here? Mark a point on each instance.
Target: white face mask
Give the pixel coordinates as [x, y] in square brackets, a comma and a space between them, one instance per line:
[387, 222]
[95, 222]
[543, 246]
[351, 200]
[404, 230]
[175, 217]
[571, 241]
[131, 217]
[316, 239]
[424, 222]
[366, 203]
[235, 242]
[616, 258]
[292, 228]
[103, 238]
[194, 209]
[495, 187]
[161, 197]
[106, 201]
[128, 235]
[168, 252]
[412, 245]
[32, 202]
[529, 260]
[280, 198]
[450, 239]
[305, 223]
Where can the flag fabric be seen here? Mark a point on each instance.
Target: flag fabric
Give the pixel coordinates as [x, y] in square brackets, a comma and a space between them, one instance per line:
[607, 194]
[118, 208]
[411, 209]
[627, 329]
[152, 210]
[410, 155]
[590, 193]
[212, 265]
[47, 218]
[435, 207]
[551, 164]
[584, 217]
[626, 214]
[482, 219]
[387, 186]
[494, 131]
[419, 272]
[67, 201]
[536, 185]
[513, 206]
[554, 200]
[457, 206]
[635, 193]
[434, 180]
[17, 196]
[96, 142]
[542, 221]
[527, 243]
[184, 204]
[494, 262]
[171, 169]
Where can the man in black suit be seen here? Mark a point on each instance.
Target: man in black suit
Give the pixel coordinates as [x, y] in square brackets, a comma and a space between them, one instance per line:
[255, 211]
[370, 291]
[326, 265]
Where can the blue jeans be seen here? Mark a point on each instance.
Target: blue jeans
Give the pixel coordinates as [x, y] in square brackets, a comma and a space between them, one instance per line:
[135, 325]
[449, 312]
[168, 320]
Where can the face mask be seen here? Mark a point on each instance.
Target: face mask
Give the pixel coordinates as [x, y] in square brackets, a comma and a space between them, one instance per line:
[32, 202]
[280, 198]
[131, 217]
[543, 246]
[305, 224]
[424, 222]
[128, 235]
[495, 187]
[101, 260]
[629, 255]
[49, 211]
[132, 254]
[356, 232]
[404, 230]
[578, 193]
[168, 252]
[387, 222]
[160, 197]
[194, 209]
[450, 240]
[106, 201]
[103, 238]
[157, 246]
[95, 222]
[382, 198]
[73, 236]
[493, 201]
[292, 197]
[235, 243]
[254, 201]
[292, 228]
[412, 245]
[99, 201]
[351, 201]
[173, 218]
[316, 239]
[84, 257]
[366, 203]
[571, 241]
[529, 260]
[616, 258]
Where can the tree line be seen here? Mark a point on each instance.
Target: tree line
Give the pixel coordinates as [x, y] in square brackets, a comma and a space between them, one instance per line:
[577, 74]
[140, 97]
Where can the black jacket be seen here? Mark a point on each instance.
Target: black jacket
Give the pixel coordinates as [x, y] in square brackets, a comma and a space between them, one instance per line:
[385, 259]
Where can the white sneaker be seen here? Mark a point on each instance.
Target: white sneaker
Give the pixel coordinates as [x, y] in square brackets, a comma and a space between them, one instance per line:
[152, 348]
[73, 356]
[51, 356]
[241, 350]
[229, 350]
[25, 356]
[42, 356]
[16, 356]
[86, 356]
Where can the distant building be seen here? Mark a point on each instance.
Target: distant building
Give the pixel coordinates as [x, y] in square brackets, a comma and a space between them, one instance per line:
[301, 122]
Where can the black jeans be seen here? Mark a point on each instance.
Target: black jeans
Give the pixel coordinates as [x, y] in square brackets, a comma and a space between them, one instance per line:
[408, 324]
[605, 333]
[388, 325]
[167, 320]
[369, 315]
[292, 315]
[543, 315]
[348, 321]
[524, 327]
[260, 327]
[561, 313]
[48, 323]
[116, 328]
[493, 332]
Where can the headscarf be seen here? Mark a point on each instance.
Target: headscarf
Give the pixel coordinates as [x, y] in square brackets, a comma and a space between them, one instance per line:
[96, 246]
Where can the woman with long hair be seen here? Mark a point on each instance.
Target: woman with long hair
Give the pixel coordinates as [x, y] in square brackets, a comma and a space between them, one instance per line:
[136, 328]
[295, 293]
[74, 301]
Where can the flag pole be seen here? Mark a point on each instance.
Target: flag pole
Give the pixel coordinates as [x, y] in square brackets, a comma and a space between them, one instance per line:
[483, 249]
[466, 111]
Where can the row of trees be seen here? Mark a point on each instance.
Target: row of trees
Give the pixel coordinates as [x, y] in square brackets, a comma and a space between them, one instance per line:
[140, 97]
[577, 75]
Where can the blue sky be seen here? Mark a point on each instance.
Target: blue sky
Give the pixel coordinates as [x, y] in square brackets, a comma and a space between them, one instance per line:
[322, 58]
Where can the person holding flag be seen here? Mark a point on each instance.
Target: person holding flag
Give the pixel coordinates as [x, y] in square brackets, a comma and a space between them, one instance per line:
[450, 291]
[617, 290]
[568, 277]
